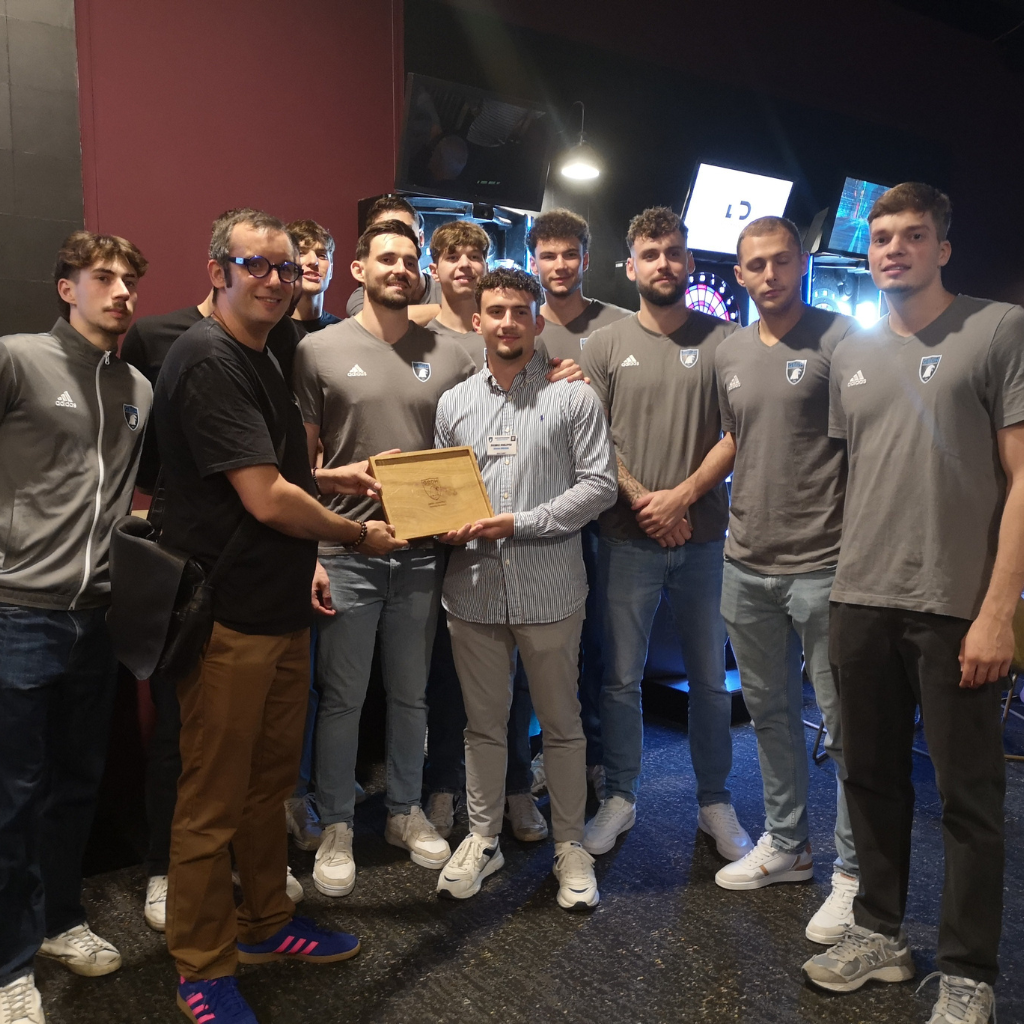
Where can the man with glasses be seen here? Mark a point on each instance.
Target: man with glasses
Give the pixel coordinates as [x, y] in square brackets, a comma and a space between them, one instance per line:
[316, 257]
[234, 457]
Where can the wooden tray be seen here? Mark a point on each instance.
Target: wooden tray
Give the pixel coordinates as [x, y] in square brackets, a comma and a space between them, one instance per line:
[430, 492]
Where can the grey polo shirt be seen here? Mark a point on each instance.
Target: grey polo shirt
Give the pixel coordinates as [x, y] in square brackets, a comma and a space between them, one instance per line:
[662, 401]
[566, 341]
[367, 396]
[926, 489]
[788, 484]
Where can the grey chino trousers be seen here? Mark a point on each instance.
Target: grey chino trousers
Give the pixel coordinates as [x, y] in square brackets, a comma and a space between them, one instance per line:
[485, 659]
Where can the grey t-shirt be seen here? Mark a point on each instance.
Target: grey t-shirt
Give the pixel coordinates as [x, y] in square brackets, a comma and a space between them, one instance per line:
[473, 343]
[789, 480]
[926, 489]
[566, 341]
[367, 396]
[660, 394]
[431, 296]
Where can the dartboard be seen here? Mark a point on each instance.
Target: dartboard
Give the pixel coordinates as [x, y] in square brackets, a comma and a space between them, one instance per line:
[709, 293]
[825, 298]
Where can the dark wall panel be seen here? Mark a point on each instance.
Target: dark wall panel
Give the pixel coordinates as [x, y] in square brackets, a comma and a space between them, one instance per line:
[40, 155]
[192, 107]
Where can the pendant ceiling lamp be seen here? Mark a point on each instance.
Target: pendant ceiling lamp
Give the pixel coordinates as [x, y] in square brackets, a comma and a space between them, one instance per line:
[580, 163]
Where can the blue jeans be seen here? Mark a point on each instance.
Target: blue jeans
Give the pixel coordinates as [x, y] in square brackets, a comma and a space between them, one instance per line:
[591, 658]
[770, 620]
[58, 676]
[399, 596]
[632, 575]
[304, 786]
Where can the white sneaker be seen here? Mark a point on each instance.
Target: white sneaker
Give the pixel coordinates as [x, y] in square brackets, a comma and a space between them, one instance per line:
[961, 1000]
[574, 869]
[334, 872]
[475, 858]
[20, 1002]
[303, 822]
[595, 776]
[539, 786]
[765, 865]
[720, 822]
[414, 833]
[82, 951]
[293, 887]
[835, 915]
[155, 910]
[615, 816]
[528, 824]
[440, 813]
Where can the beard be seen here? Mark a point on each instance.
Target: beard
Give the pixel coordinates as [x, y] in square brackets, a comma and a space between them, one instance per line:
[662, 298]
[510, 355]
[378, 294]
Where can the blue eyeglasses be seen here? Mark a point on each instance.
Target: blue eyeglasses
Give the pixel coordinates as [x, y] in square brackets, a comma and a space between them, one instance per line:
[260, 266]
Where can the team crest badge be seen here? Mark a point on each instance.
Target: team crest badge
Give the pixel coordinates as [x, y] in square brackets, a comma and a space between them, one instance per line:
[795, 370]
[131, 416]
[929, 364]
[583, 342]
[688, 357]
[422, 371]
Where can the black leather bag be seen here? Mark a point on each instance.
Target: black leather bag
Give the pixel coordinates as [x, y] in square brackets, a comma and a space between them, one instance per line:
[161, 608]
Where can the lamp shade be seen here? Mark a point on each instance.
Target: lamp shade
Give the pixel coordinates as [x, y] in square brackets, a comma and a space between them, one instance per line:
[580, 163]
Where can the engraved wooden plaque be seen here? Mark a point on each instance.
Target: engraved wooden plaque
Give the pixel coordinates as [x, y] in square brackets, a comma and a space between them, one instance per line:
[430, 492]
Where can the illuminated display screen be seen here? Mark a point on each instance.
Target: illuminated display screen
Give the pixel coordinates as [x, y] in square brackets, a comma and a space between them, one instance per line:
[723, 201]
[851, 233]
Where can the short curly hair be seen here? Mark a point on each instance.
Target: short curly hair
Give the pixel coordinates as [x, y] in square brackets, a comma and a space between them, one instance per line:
[456, 234]
[654, 222]
[559, 223]
[510, 279]
[307, 234]
[915, 195]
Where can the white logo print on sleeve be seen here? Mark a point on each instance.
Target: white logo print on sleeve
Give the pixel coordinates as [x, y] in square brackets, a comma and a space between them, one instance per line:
[733, 384]
[630, 360]
[857, 378]
[65, 401]
[357, 371]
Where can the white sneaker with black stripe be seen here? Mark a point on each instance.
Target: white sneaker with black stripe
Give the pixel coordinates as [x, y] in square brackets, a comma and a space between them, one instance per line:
[574, 869]
[475, 858]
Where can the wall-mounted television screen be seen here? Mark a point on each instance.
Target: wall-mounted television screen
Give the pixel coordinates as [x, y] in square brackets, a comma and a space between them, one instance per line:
[463, 143]
[850, 232]
[723, 201]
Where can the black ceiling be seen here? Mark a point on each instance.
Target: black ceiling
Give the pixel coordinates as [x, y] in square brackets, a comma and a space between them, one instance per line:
[997, 21]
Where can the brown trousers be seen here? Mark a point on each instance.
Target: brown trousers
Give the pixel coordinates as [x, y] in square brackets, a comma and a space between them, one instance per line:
[242, 716]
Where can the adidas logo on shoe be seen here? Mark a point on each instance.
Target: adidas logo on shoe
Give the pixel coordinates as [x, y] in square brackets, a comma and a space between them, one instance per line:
[630, 360]
[357, 371]
[857, 378]
[66, 402]
[733, 384]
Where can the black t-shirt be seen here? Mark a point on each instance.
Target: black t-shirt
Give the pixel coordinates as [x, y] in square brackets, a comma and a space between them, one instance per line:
[149, 339]
[325, 319]
[220, 405]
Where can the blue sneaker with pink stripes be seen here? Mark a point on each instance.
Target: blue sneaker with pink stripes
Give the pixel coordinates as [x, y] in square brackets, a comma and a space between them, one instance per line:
[214, 1002]
[300, 939]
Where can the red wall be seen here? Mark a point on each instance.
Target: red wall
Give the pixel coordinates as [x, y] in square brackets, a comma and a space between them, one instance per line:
[191, 107]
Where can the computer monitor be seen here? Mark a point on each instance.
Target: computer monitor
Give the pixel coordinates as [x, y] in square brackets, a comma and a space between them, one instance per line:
[850, 233]
[722, 201]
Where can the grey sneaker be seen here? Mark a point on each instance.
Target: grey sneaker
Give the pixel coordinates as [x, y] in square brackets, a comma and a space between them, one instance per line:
[528, 824]
[539, 786]
[20, 1002]
[859, 956]
[440, 813]
[961, 1000]
[303, 822]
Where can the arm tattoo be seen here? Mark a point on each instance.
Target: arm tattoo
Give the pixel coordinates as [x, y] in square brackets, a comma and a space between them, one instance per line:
[629, 487]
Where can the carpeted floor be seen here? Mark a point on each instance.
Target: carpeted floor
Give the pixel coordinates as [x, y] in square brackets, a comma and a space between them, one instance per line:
[665, 945]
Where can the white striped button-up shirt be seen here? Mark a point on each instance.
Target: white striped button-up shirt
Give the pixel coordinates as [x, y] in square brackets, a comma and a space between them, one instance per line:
[560, 477]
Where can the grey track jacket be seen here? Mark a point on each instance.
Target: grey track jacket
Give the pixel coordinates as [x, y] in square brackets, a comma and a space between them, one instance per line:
[72, 420]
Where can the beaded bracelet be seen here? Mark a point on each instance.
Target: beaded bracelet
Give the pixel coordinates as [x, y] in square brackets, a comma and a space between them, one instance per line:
[359, 540]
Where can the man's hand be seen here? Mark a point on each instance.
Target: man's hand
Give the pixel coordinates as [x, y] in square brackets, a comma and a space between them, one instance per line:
[985, 652]
[677, 536]
[380, 539]
[352, 479]
[489, 529]
[322, 603]
[565, 369]
[660, 512]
